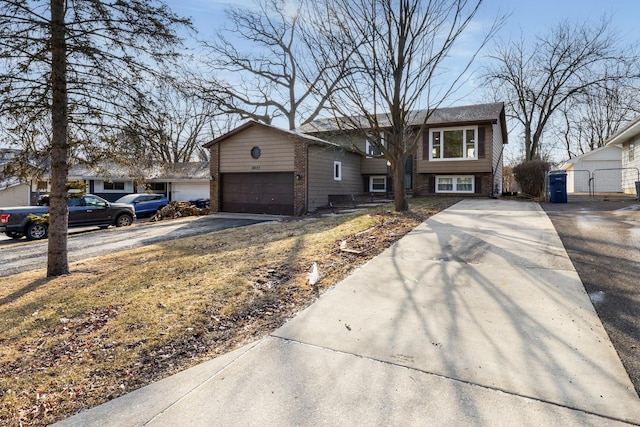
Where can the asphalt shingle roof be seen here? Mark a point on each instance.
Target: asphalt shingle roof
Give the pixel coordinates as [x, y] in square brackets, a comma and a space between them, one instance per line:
[453, 115]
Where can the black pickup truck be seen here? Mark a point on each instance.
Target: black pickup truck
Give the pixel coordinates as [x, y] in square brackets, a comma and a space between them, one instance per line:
[88, 210]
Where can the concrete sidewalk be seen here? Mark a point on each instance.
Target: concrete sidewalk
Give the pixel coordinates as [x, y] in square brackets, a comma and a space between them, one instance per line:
[477, 317]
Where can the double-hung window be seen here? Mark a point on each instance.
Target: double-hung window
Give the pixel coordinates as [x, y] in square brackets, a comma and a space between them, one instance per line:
[454, 143]
[455, 184]
[377, 184]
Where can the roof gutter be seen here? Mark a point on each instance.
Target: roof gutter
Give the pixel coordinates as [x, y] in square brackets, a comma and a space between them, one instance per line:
[631, 130]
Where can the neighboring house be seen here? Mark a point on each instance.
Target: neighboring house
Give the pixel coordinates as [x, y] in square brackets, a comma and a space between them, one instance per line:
[257, 168]
[629, 138]
[262, 169]
[461, 151]
[13, 192]
[177, 181]
[598, 170]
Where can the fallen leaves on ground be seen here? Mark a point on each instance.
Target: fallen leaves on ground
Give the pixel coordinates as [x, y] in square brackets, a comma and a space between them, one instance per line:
[81, 359]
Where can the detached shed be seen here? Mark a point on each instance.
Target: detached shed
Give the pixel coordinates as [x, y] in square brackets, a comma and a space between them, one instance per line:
[257, 168]
[602, 166]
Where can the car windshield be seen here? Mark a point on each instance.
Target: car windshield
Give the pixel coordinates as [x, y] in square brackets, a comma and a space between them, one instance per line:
[127, 199]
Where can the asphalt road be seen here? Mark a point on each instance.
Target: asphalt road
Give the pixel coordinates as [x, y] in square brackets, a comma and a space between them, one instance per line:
[602, 239]
[21, 255]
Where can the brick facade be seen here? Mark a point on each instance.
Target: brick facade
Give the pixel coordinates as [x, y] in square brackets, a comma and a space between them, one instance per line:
[424, 184]
[214, 182]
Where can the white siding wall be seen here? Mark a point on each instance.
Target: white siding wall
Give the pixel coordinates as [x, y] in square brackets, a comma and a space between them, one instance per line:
[631, 163]
[17, 195]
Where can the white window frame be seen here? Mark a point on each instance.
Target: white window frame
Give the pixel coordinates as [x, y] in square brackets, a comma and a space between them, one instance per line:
[370, 144]
[337, 171]
[464, 130]
[455, 179]
[371, 189]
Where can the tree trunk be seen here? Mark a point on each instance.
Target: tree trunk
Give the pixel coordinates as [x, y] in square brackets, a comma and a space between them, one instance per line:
[399, 193]
[528, 154]
[57, 263]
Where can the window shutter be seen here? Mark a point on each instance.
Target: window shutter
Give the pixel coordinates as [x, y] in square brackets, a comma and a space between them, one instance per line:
[481, 150]
[425, 144]
[478, 185]
[432, 184]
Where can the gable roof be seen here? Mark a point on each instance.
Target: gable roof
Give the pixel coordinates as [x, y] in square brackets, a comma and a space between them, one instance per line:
[307, 138]
[478, 114]
[597, 152]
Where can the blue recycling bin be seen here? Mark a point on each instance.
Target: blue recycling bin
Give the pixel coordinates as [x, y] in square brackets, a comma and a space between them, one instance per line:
[558, 187]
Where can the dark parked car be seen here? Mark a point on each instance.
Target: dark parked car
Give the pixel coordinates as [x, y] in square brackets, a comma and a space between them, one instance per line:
[200, 203]
[145, 204]
[88, 210]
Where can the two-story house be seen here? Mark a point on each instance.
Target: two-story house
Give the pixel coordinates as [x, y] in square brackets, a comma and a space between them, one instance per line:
[461, 151]
[259, 168]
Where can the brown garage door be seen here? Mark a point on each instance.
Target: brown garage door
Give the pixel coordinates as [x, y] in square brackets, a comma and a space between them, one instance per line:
[267, 193]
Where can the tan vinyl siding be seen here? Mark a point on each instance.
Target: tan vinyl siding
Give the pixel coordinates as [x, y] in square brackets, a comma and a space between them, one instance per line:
[277, 154]
[374, 166]
[321, 181]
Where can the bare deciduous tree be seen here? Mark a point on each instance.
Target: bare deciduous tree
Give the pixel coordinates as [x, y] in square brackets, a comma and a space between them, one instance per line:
[596, 115]
[168, 125]
[270, 75]
[73, 60]
[537, 79]
[395, 52]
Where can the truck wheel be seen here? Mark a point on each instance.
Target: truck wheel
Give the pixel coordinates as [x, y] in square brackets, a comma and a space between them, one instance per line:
[13, 234]
[37, 231]
[124, 220]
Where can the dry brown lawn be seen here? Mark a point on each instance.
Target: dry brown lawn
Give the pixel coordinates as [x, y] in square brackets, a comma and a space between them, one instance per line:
[125, 320]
